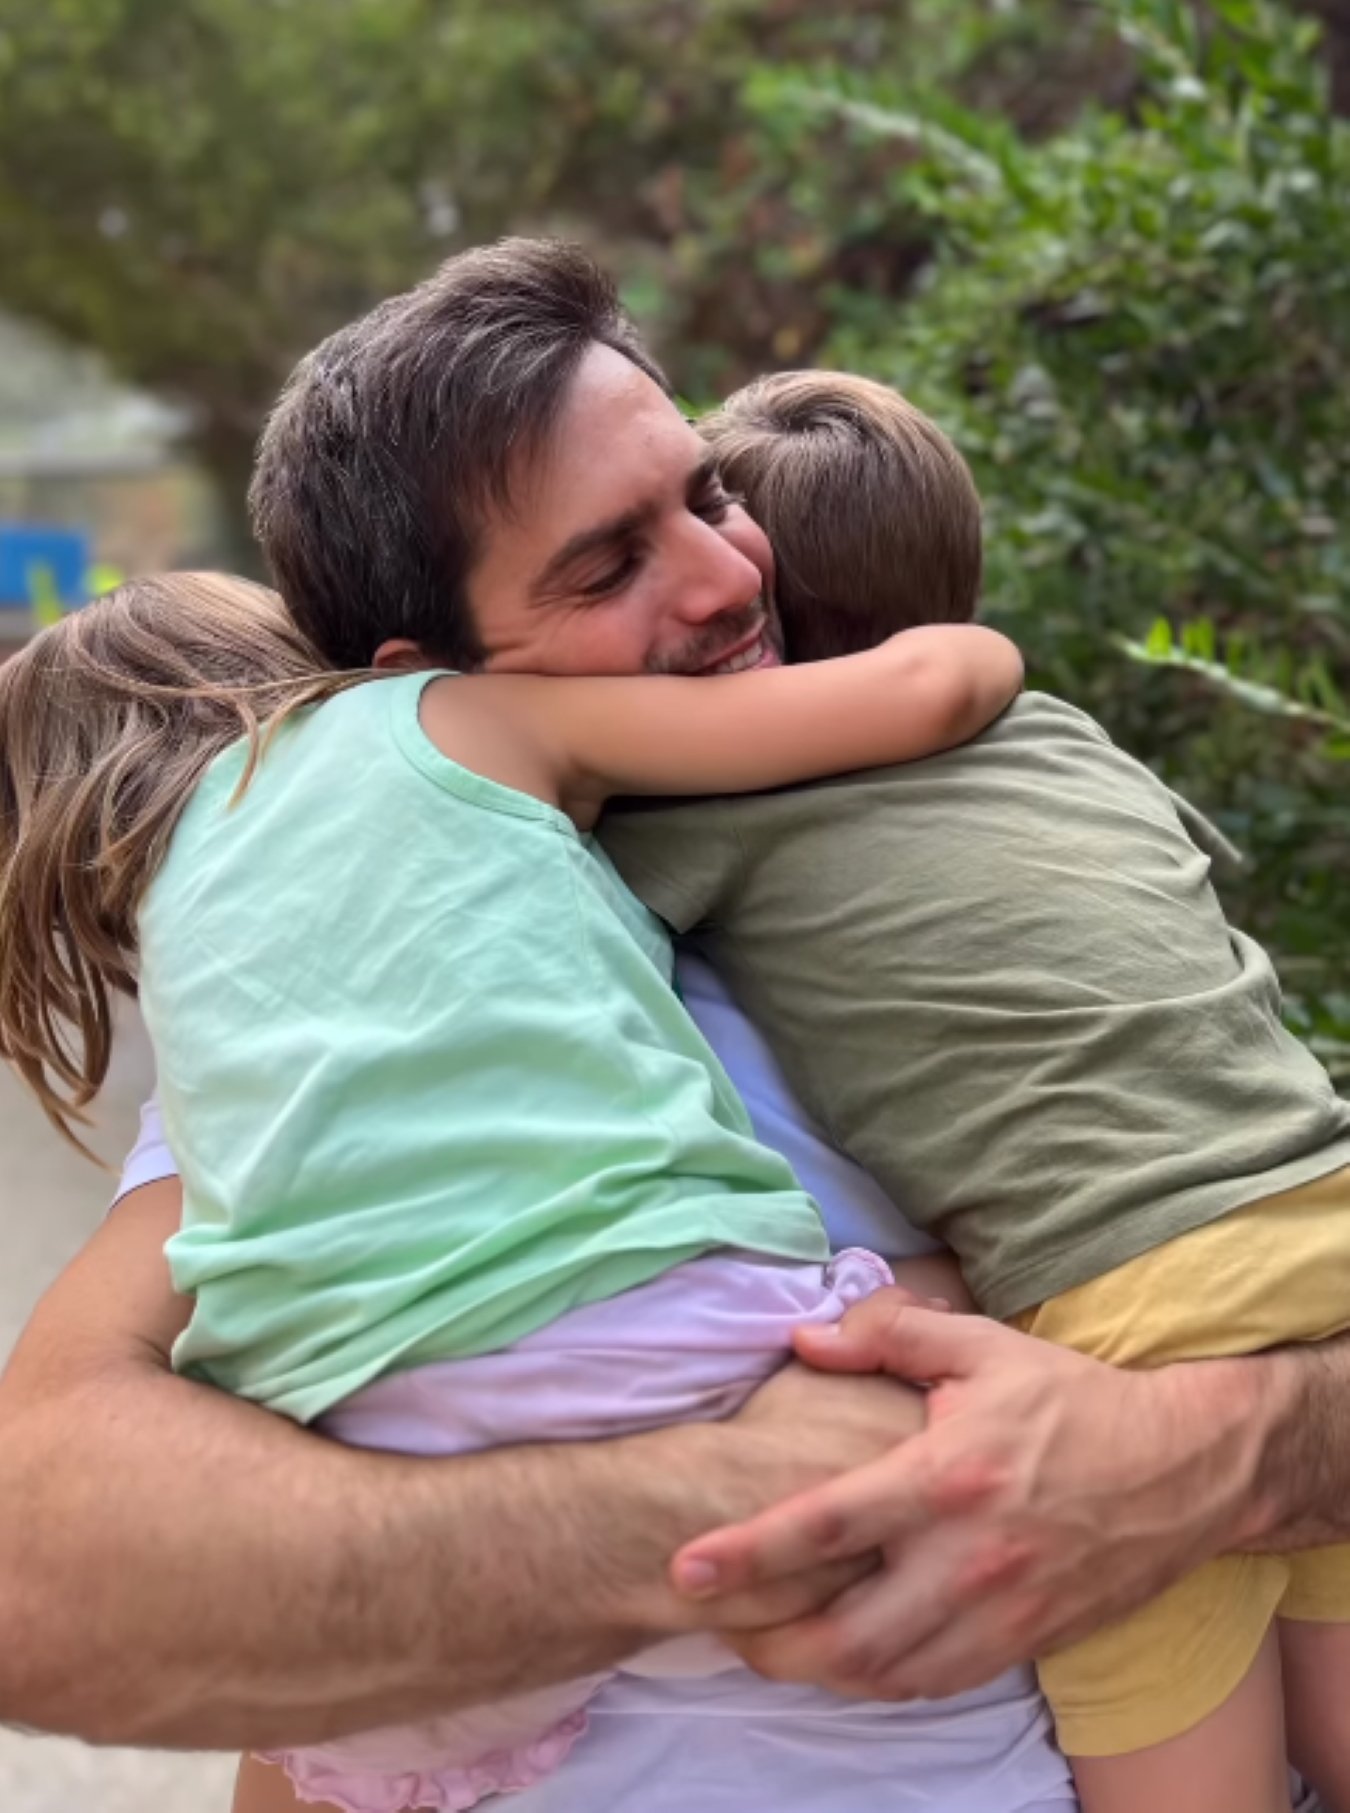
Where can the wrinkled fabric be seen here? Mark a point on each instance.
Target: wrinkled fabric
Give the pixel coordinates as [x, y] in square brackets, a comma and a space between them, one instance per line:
[1002, 981]
[421, 1066]
[734, 1743]
[690, 1346]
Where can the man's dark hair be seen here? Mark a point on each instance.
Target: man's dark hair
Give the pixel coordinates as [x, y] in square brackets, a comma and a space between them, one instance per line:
[394, 438]
[872, 514]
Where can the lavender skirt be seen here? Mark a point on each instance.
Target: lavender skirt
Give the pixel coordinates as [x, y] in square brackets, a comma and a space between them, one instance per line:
[689, 1347]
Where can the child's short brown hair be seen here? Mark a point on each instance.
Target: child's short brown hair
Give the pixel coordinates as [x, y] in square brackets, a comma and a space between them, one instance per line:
[872, 513]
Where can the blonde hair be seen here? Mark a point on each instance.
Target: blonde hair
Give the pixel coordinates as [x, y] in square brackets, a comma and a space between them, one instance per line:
[107, 721]
[872, 513]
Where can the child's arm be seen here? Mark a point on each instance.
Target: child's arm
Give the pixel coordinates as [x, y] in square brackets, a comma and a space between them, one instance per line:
[579, 741]
[924, 690]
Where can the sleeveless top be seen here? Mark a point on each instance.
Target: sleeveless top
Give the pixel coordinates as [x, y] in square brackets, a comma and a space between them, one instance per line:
[421, 1066]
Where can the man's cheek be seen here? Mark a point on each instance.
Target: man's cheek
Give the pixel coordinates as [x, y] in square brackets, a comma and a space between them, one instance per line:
[617, 644]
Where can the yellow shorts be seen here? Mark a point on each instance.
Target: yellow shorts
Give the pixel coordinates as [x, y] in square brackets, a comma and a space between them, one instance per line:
[1274, 1272]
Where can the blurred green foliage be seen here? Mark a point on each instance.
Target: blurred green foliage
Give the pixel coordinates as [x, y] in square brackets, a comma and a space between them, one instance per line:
[1108, 245]
[201, 189]
[1139, 331]
[44, 596]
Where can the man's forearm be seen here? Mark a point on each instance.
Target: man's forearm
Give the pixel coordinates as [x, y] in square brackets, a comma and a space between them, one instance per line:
[177, 1568]
[1301, 1488]
[181, 1568]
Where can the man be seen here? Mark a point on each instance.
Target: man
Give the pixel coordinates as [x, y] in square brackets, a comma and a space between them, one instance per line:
[491, 469]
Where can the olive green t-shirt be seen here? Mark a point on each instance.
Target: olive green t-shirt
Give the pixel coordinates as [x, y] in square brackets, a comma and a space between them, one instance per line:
[1002, 981]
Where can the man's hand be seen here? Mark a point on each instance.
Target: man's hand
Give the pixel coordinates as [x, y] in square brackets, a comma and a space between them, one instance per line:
[1047, 1494]
[801, 1429]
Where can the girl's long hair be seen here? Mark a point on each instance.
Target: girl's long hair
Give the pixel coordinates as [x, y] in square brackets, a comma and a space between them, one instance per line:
[107, 722]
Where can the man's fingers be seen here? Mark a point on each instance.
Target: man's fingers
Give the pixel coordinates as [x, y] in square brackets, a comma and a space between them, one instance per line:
[924, 1632]
[848, 1517]
[889, 1333]
[861, 1645]
[959, 1655]
[786, 1602]
[790, 1652]
[851, 1344]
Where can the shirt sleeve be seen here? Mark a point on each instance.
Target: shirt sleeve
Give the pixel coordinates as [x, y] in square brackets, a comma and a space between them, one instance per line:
[150, 1160]
[681, 858]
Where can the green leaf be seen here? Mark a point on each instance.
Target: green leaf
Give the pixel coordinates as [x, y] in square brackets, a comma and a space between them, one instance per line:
[1159, 642]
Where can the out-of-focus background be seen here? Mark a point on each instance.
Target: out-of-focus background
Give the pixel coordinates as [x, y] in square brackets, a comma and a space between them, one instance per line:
[1106, 244]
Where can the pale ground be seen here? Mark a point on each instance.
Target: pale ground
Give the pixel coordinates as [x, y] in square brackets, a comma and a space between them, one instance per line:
[50, 1199]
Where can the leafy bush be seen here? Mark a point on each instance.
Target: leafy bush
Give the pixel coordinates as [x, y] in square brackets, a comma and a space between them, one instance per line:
[1138, 329]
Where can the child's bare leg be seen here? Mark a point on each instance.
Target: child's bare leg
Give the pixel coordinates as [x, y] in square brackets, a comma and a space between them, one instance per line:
[1231, 1762]
[266, 1788]
[1317, 1706]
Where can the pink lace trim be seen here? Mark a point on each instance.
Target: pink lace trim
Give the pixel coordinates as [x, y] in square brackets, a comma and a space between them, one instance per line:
[443, 1790]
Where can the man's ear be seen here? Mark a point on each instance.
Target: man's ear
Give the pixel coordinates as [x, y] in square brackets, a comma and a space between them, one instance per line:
[399, 656]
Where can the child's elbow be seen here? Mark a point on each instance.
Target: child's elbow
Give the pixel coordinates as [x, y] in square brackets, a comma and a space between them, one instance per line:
[970, 685]
[1000, 684]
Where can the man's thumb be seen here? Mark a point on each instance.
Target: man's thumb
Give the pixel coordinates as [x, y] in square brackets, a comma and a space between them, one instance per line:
[923, 1346]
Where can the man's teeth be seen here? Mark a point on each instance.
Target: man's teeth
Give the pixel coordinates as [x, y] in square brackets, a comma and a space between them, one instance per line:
[735, 664]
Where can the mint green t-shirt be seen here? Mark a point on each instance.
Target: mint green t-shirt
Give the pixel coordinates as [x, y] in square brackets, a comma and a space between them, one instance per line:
[422, 1067]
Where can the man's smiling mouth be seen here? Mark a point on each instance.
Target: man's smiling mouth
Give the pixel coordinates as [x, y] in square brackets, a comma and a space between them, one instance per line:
[755, 651]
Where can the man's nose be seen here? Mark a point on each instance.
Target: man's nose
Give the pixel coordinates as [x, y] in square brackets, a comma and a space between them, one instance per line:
[716, 576]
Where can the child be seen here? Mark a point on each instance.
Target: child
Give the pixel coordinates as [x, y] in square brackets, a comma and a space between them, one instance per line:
[453, 1155]
[1002, 982]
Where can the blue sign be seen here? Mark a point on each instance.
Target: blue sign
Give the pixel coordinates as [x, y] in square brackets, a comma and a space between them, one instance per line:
[37, 560]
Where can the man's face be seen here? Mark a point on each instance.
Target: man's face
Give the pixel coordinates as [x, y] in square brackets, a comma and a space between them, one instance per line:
[622, 552]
